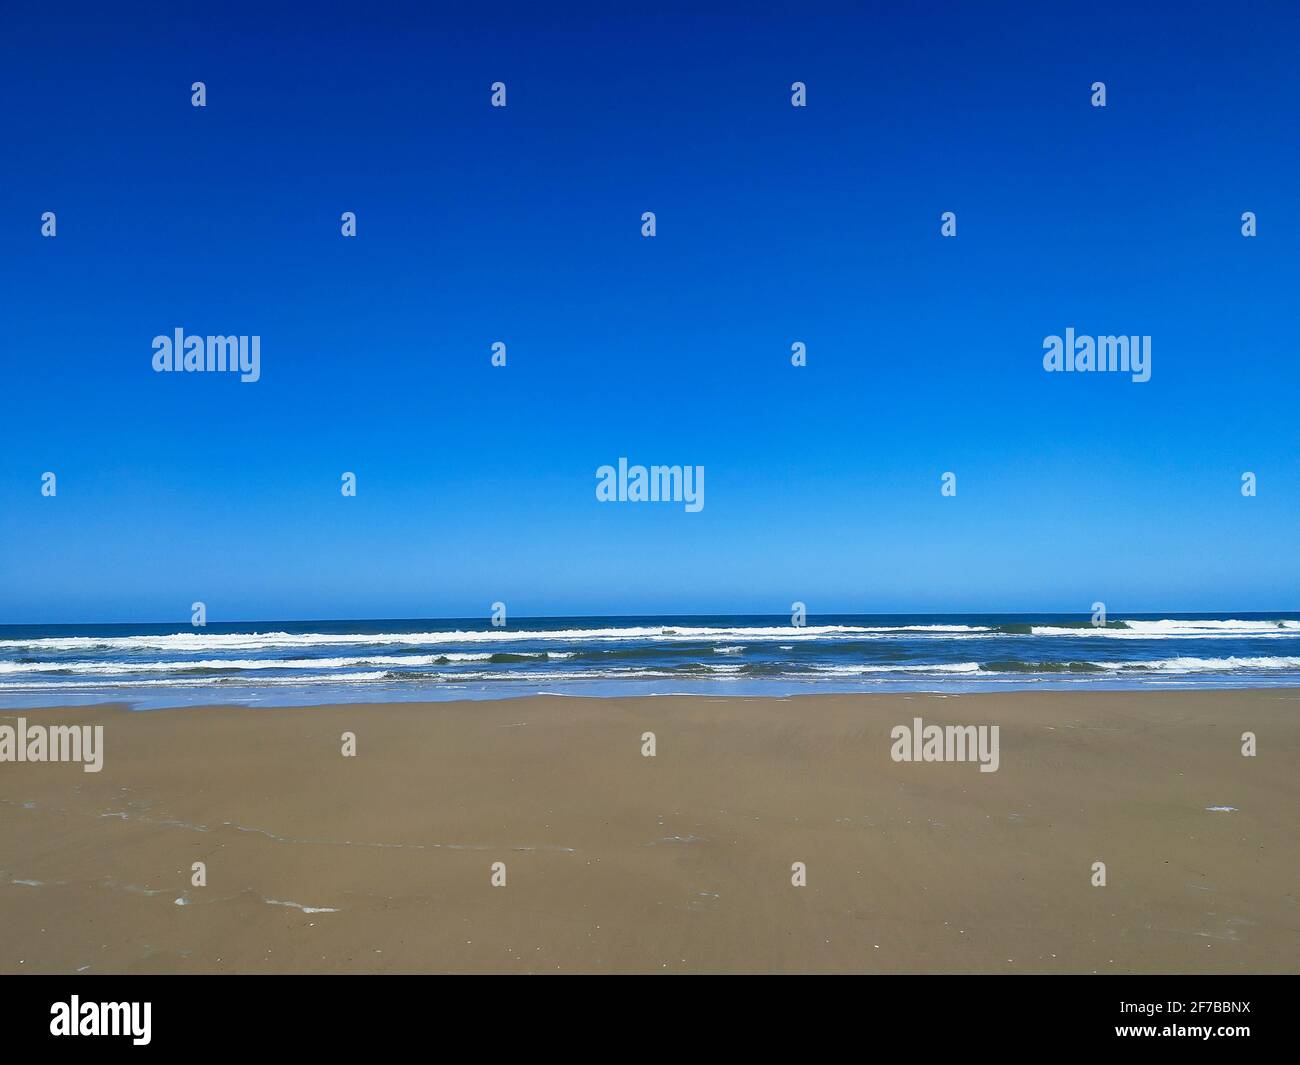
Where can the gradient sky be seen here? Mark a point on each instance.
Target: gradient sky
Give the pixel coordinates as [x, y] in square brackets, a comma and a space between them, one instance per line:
[522, 225]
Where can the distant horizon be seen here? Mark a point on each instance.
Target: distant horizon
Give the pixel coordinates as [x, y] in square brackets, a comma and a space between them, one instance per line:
[1112, 615]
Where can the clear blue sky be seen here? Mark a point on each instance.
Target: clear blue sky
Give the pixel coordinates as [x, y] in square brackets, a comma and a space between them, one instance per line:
[522, 225]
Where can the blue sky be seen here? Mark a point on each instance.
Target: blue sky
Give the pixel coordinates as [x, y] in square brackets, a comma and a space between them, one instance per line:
[775, 224]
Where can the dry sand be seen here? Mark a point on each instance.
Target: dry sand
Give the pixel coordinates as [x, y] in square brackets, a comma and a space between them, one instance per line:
[617, 862]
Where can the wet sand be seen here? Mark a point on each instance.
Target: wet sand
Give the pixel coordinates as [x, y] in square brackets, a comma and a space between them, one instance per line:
[681, 862]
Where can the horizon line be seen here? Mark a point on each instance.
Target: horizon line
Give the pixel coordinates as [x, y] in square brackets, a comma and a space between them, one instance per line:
[1111, 616]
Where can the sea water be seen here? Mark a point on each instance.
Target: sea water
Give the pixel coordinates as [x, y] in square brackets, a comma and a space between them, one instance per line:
[309, 662]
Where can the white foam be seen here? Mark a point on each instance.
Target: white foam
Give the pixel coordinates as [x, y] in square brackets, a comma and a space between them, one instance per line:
[911, 667]
[1174, 629]
[199, 641]
[1204, 665]
[115, 668]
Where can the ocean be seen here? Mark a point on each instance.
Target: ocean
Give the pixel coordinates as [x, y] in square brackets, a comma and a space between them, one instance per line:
[311, 662]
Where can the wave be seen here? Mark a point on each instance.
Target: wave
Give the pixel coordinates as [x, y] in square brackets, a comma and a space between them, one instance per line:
[698, 670]
[1011, 666]
[1171, 629]
[911, 667]
[764, 653]
[406, 667]
[1026, 628]
[1158, 665]
[731, 636]
[1203, 665]
[189, 682]
[340, 679]
[186, 641]
[229, 665]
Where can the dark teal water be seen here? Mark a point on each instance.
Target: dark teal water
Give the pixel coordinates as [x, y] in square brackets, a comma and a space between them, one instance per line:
[296, 662]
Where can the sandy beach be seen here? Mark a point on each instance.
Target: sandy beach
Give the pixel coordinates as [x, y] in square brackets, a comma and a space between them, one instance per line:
[680, 862]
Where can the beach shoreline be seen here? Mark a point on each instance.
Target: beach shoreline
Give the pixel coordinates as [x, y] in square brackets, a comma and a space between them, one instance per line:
[313, 663]
[615, 861]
